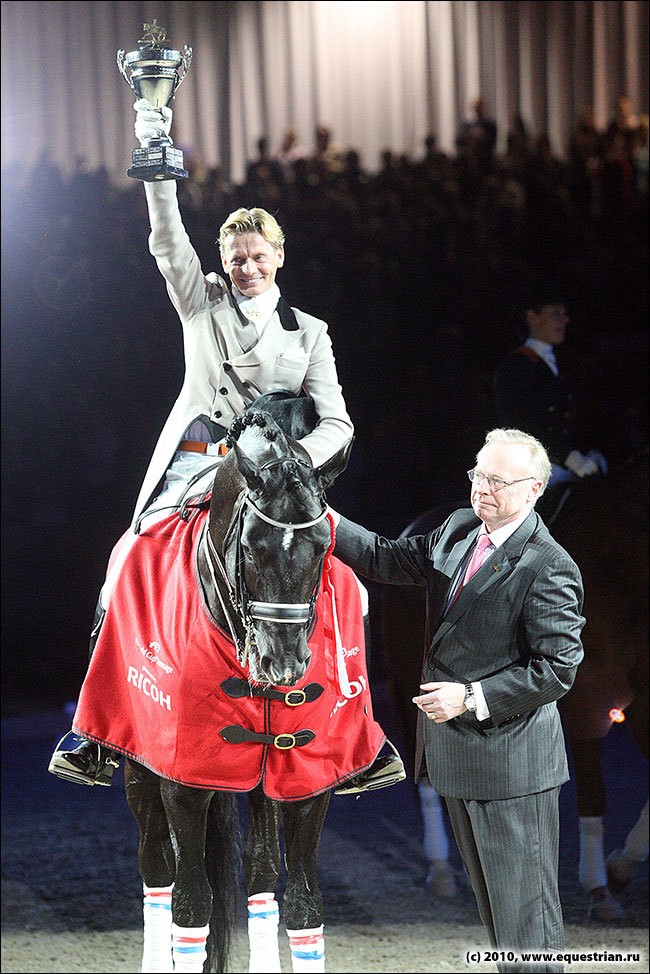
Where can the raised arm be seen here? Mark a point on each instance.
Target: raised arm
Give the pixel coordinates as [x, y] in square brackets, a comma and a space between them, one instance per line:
[169, 243]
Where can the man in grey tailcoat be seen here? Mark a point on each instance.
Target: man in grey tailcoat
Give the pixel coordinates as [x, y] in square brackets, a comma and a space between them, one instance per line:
[502, 645]
[240, 342]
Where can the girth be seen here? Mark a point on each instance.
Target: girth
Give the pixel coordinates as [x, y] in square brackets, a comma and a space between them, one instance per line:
[235, 734]
[235, 686]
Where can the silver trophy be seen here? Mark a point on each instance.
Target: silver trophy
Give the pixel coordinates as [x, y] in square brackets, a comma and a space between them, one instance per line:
[156, 71]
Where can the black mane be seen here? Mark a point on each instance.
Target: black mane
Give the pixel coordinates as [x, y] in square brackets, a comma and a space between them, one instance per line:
[252, 418]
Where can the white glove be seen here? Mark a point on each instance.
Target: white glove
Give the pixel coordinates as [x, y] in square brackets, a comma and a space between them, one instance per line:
[151, 123]
[581, 465]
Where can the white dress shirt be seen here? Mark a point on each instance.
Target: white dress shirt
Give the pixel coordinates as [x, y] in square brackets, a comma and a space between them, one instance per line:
[260, 308]
[545, 352]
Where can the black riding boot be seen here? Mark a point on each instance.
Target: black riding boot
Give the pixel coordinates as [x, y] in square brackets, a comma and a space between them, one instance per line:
[88, 763]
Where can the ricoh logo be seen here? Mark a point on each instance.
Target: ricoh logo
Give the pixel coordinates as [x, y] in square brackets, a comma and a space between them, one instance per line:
[145, 682]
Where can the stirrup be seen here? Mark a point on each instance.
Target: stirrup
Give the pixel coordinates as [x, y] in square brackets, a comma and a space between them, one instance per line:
[383, 772]
[101, 773]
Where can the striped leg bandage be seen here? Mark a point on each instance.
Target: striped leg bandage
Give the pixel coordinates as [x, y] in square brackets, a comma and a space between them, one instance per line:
[189, 948]
[263, 919]
[307, 950]
[157, 915]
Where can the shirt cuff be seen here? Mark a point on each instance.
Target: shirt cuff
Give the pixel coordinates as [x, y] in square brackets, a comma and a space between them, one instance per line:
[482, 712]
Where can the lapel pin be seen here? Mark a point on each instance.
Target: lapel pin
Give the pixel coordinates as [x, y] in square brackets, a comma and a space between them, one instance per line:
[496, 568]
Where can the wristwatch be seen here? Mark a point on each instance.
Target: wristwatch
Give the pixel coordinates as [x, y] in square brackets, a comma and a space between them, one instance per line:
[470, 699]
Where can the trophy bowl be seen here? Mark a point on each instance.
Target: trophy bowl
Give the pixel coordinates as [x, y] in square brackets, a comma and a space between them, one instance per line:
[154, 71]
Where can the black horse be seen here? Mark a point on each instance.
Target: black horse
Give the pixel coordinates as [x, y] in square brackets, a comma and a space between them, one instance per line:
[259, 569]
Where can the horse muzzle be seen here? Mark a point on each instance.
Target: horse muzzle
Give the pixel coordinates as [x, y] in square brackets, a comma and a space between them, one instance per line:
[283, 656]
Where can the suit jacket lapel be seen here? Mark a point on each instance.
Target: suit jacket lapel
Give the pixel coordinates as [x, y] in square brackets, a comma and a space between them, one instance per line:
[496, 568]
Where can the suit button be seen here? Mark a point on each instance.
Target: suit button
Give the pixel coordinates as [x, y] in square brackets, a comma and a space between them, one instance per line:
[218, 414]
[223, 391]
[246, 385]
[227, 366]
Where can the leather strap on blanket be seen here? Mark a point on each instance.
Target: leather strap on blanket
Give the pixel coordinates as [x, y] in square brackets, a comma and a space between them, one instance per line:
[284, 742]
[237, 687]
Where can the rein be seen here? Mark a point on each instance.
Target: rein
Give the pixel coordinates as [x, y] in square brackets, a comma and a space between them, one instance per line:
[249, 610]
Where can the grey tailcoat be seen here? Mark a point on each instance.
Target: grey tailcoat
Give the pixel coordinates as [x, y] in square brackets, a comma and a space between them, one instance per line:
[515, 627]
[221, 376]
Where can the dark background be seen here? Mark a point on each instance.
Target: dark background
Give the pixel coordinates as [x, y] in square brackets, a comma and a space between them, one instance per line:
[420, 270]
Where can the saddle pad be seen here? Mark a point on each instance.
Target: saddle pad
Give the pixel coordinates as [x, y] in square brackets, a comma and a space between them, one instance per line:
[153, 688]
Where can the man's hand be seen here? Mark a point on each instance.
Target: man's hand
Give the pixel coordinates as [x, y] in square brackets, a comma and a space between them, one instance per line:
[442, 701]
[151, 123]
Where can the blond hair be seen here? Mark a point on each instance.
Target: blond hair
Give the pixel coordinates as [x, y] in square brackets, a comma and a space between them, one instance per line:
[255, 220]
[540, 465]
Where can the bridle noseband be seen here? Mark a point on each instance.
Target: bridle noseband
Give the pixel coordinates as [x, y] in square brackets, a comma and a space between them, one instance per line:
[249, 610]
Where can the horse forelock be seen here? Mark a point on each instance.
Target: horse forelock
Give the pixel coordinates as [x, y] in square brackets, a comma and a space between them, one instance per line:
[256, 420]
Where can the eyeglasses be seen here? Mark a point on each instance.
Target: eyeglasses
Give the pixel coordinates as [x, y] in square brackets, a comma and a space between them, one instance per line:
[495, 483]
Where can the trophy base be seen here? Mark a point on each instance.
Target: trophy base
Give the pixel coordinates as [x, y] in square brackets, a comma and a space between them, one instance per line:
[157, 163]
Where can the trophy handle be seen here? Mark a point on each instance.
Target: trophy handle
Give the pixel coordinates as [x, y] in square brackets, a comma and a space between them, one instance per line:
[120, 64]
[186, 58]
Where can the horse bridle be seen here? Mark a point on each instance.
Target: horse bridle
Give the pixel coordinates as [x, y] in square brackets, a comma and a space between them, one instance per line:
[250, 610]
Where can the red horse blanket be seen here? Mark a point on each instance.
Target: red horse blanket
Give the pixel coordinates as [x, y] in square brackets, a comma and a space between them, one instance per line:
[154, 686]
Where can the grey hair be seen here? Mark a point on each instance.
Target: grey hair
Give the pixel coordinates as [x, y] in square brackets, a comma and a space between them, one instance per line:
[540, 465]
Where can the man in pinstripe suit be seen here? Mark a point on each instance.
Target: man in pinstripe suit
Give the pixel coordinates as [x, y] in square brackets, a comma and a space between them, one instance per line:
[502, 645]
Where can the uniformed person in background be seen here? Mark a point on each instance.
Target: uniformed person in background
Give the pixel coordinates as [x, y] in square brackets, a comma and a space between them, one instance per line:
[531, 394]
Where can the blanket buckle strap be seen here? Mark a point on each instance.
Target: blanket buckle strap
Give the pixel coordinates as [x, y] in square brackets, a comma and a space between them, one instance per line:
[236, 686]
[236, 734]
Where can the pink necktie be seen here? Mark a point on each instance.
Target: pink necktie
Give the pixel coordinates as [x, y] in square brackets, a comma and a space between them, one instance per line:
[481, 552]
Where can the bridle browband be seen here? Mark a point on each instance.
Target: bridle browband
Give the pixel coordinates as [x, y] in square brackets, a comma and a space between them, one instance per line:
[249, 610]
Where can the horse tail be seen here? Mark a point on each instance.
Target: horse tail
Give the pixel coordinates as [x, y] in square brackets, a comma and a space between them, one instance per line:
[222, 857]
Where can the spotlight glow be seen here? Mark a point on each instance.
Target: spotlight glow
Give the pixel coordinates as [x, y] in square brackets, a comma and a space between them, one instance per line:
[616, 716]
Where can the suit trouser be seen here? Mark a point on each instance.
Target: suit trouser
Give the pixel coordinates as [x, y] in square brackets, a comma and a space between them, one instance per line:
[510, 848]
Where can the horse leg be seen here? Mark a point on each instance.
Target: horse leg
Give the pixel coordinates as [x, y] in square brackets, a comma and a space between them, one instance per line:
[187, 810]
[303, 903]
[440, 876]
[623, 863]
[262, 868]
[156, 861]
[591, 797]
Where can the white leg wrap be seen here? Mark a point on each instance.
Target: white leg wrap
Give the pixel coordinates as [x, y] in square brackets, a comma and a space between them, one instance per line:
[263, 919]
[636, 844]
[157, 913]
[189, 948]
[591, 866]
[436, 841]
[307, 950]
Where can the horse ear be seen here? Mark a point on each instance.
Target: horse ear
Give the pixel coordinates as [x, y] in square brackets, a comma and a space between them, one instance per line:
[248, 469]
[329, 471]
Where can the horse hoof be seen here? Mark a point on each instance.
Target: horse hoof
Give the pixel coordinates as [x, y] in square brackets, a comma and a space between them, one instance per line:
[620, 870]
[440, 880]
[603, 907]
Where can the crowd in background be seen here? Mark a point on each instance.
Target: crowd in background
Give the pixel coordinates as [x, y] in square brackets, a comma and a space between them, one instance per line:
[424, 264]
